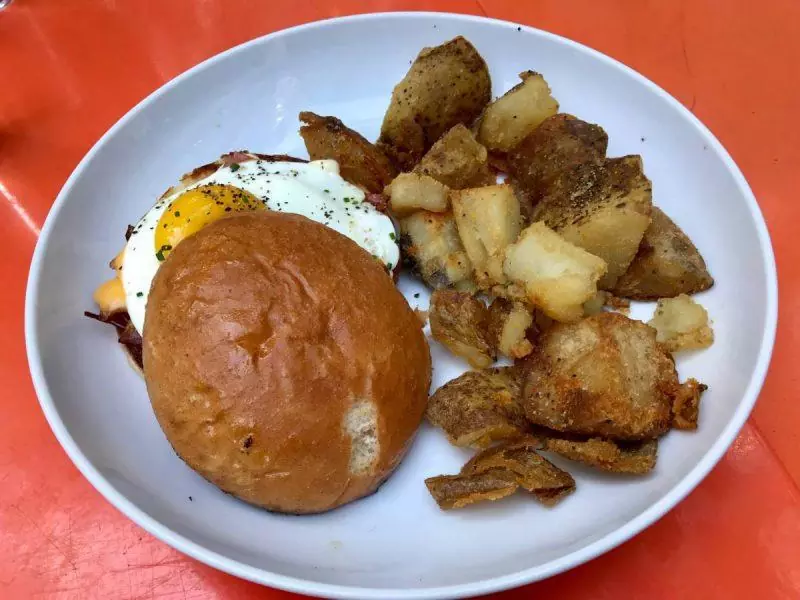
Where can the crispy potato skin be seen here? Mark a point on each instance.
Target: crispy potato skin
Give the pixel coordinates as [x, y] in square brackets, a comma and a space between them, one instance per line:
[360, 162]
[446, 85]
[479, 407]
[457, 160]
[461, 323]
[606, 455]
[686, 405]
[498, 472]
[603, 376]
[558, 144]
[666, 265]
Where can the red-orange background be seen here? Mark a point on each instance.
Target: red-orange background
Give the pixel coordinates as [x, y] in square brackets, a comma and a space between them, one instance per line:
[70, 68]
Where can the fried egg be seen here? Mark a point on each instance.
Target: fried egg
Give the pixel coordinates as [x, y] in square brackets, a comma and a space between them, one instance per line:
[314, 190]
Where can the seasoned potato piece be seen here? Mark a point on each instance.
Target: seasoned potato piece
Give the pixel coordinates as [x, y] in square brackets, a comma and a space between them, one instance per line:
[446, 85]
[509, 323]
[458, 491]
[603, 376]
[532, 472]
[560, 143]
[551, 273]
[410, 192]
[511, 117]
[479, 407]
[686, 405]
[430, 244]
[457, 160]
[666, 265]
[595, 304]
[488, 220]
[604, 209]
[360, 162]
[682, 324]
[635, 458]
[461, 323]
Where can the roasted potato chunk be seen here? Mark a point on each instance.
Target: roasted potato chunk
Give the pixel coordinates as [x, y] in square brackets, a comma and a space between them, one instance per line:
[558, 144]
[498, 472]
[446, 85]
[457, 160]
[686, 405]
[511, 117]
[667, 264]
[479, 407]
[550, 273]
[488, 220]
[410, 192]
[509, 323]
[635, 458]
[603, 376]
[431, 246]
[360, 162]
[682, 324]
[604, 209]
[461, 323]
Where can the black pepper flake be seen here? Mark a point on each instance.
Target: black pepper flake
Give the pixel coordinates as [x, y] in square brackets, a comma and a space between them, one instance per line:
[177, 213]
[190, 500]
[416, 295]
[227, 209]
[248, 441]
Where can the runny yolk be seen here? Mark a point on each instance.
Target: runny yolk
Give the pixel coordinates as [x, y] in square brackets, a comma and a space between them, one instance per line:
[198, 207]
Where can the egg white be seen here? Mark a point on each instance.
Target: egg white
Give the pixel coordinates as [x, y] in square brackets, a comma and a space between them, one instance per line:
[314, 190]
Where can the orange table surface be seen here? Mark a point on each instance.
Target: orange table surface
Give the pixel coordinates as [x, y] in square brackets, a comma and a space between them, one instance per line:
[70, 68]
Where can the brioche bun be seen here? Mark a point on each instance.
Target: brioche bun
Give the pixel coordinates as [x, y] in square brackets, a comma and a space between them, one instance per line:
[282, 363]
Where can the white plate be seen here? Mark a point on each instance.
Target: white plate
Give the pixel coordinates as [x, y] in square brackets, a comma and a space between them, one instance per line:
[396, 543]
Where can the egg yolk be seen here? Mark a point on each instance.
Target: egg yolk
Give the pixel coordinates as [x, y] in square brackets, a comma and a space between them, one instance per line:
[198, 207]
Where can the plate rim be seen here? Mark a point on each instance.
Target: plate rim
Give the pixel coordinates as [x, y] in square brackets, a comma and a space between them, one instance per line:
[303, 586]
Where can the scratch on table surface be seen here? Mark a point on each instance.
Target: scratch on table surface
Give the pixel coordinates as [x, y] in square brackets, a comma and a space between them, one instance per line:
[693, 103]
[50, 541]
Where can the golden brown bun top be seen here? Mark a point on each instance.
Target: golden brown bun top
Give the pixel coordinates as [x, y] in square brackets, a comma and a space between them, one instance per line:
[261, 331]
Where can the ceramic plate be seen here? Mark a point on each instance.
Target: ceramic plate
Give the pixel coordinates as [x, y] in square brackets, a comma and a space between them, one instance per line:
[396, 543]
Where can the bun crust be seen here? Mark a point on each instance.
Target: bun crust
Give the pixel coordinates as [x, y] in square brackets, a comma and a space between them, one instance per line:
[282, 363]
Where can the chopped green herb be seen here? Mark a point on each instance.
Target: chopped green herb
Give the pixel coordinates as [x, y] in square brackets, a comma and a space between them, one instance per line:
[327, 191]
[177, 213]
[160, 253]
[235, 167]
[416, 295]
[392, 236]
[139, 294]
